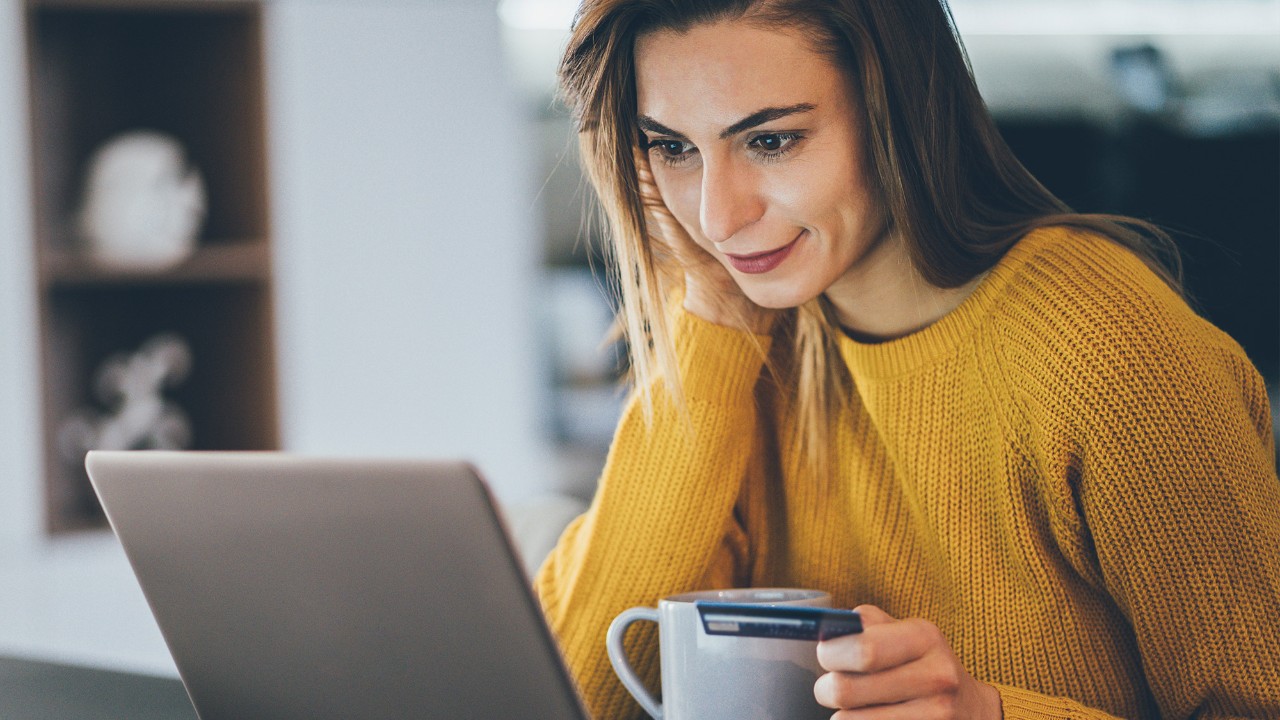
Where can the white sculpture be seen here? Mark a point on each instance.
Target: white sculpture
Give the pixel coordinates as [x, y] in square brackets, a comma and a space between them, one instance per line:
[140, 417]
[143, 204]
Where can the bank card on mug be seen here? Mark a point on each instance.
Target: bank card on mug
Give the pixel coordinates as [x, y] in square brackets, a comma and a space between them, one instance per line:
[786, 622]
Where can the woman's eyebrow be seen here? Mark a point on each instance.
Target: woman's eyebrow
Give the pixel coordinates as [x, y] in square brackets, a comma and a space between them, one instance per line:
[650, 125]
[758, 117]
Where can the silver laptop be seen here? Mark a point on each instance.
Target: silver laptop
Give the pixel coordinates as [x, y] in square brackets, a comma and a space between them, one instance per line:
[290, 587]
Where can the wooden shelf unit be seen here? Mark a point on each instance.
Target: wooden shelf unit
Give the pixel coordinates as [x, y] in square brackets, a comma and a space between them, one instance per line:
[192, 69]
[241, 262]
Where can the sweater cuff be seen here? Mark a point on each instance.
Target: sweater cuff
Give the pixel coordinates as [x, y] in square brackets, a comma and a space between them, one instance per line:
[718, 364]
[1020, 704]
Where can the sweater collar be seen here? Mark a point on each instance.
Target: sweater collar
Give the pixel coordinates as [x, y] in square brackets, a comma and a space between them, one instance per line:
[926, 346]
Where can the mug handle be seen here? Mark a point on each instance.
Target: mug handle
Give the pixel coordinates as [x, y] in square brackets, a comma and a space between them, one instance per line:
[622, 666]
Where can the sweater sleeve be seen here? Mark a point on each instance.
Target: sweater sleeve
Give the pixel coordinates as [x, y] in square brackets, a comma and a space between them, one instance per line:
[662, 519]
[1172, 493]
[1179, 494]
[1020, 704]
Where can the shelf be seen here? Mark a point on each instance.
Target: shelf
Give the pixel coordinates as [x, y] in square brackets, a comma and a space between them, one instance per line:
[228, 262]
[202, 6]
[193, 70]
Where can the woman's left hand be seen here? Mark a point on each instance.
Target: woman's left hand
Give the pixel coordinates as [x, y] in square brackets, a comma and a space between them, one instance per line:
[899, 669]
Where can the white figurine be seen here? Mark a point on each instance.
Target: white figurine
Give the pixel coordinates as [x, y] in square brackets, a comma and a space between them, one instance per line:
[143, 204]
[140, 417]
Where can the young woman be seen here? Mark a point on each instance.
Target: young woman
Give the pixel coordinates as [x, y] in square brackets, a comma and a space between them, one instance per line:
[872, 355]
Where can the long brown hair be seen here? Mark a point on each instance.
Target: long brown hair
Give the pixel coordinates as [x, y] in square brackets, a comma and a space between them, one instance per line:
[951, 188]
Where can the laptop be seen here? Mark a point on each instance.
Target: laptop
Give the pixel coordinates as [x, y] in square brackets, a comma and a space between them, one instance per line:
[295, 587]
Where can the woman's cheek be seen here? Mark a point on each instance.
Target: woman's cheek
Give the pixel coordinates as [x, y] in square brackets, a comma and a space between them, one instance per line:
[683, 198]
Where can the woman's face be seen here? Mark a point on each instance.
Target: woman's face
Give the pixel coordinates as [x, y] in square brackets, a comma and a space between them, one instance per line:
[755, 144]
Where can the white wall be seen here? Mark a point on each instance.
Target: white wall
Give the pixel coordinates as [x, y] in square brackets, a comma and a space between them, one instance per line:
[19, 408]
[406, 260]
[407, 240]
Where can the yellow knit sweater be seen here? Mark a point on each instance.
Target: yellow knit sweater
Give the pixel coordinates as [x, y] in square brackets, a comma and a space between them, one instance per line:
[1071, 474]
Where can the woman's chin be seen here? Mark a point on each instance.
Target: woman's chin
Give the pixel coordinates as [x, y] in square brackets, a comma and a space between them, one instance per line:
[779, 297]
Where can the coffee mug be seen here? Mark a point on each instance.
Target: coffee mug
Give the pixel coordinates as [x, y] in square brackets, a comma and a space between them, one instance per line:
[709, 677]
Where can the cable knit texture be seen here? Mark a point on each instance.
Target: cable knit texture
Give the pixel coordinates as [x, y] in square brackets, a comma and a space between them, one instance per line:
[1072, 474]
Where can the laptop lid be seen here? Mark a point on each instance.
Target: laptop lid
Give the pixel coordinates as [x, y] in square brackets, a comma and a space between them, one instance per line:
[291, 587]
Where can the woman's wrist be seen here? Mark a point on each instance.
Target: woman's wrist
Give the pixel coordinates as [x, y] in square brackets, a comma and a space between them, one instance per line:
[718, 363]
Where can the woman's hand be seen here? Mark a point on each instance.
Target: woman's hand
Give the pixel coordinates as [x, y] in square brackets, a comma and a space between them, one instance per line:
[899, 669]
[710, 292]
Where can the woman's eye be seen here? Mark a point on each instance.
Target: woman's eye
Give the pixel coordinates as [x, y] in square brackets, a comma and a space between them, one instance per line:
[773, 144]
[671, 152]
[671, 148]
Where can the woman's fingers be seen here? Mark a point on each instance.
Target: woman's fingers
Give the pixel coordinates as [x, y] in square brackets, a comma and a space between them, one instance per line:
[710, 291]
[872, 615]
[899, 668]
[670, 232]
[897, 685]
[883, 643]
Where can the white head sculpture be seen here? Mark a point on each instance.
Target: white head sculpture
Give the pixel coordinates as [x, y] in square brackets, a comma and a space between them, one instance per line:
[143, 204]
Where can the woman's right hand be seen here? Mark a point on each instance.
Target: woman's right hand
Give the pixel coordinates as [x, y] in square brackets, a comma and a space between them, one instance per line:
[710, 292]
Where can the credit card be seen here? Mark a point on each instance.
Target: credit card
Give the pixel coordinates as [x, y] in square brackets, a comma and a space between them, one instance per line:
[787, 622]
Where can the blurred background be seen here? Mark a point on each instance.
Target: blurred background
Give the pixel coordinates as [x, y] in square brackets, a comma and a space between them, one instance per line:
[356, 228]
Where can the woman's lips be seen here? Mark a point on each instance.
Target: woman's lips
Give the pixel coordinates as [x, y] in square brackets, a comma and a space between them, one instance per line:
[762, 262]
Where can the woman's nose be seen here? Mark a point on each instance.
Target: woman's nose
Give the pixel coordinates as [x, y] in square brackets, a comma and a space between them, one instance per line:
[730, 201]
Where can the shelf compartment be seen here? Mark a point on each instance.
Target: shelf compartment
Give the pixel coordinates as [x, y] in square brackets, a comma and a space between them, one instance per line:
[191, 70]
[228, 395]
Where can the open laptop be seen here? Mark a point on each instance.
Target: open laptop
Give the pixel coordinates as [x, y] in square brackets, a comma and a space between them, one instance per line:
[292, 587]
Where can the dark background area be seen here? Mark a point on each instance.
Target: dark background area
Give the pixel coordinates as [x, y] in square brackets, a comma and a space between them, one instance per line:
[1219, 196]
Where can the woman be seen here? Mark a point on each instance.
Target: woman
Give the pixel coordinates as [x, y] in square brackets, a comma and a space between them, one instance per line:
[872, 355]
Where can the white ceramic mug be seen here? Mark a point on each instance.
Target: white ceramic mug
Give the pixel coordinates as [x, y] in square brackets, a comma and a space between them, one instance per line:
[714, 677]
